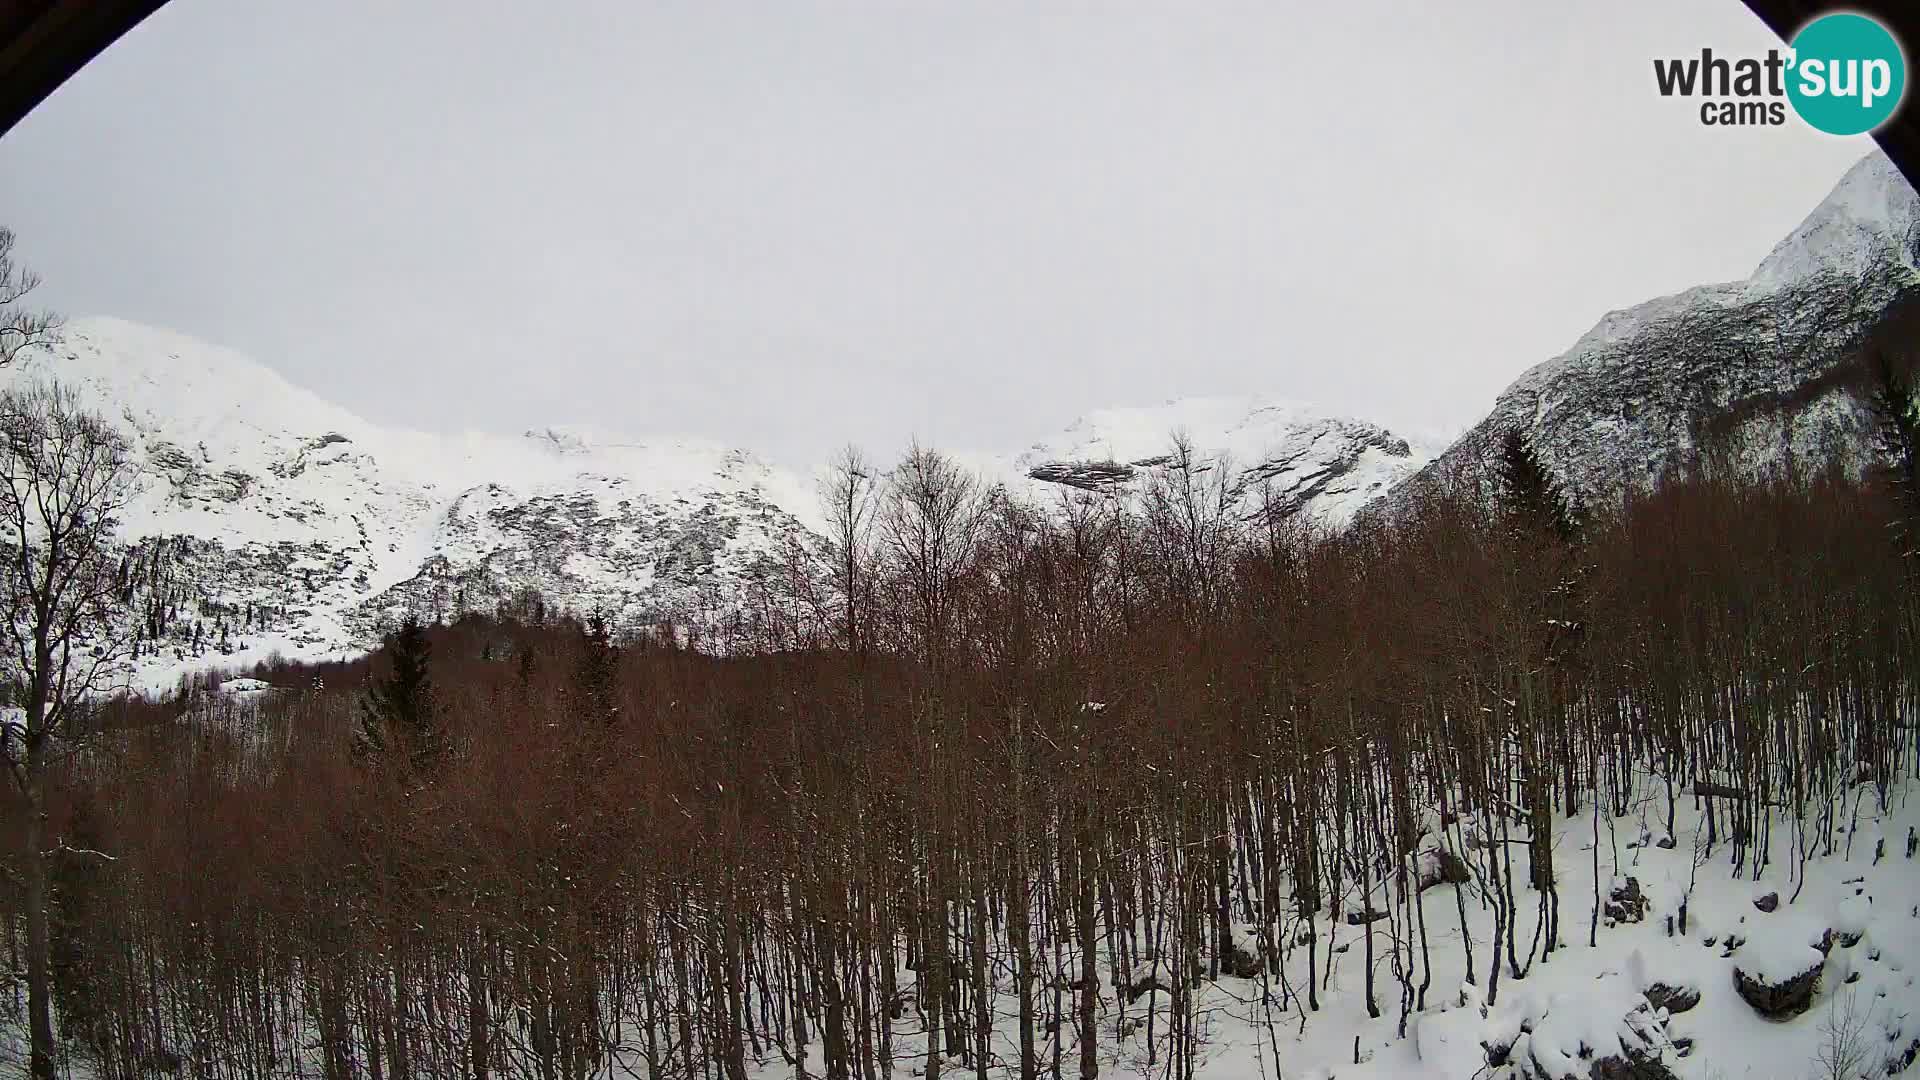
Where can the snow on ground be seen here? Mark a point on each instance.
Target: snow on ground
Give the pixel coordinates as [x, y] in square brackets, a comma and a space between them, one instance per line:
[155, 675]
[1583, 1001]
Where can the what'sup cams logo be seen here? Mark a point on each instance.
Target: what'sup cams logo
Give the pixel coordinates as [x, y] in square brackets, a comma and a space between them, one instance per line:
[1844, 74]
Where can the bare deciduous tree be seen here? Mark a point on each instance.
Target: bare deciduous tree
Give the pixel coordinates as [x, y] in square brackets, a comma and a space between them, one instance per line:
[67, 478]
[20, 327]
[1843, 1052]
[928, 528]
[849, 497]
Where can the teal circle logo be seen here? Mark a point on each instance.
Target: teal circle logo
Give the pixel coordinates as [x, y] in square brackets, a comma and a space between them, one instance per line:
[1848, 74]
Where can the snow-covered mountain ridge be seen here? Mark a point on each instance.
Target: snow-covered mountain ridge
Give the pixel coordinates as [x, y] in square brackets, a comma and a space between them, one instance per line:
[1306, 460]
[277, 520]
[268, 518]
[1747, 368]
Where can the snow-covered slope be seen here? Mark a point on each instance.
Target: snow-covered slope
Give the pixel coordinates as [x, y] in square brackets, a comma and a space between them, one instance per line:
[1749, 368]
[269, 519]
[290, 523]
[1312, 462]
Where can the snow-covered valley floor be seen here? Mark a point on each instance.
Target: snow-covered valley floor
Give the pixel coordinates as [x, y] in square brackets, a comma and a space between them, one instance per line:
[1853, 914]
[1579, 1004]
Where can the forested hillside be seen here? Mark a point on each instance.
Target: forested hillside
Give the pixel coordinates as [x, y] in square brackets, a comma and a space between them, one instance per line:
[1149, 784]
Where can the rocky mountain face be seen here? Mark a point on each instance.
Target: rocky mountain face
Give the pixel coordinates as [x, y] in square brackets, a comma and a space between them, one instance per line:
[1751, 374]
[268, 519]
[1293, 457]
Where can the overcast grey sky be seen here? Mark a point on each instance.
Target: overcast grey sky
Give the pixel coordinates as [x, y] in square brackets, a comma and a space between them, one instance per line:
[787, 225]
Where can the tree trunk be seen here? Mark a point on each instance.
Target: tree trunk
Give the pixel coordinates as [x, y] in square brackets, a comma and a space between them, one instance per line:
[39, 966]
[477, 1006]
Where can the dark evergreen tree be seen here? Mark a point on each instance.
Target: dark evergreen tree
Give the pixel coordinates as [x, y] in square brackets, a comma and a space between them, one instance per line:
[1531, 495]
[1545, 526]
[1898, 415]
[400, 720]
[596, 675]
[525, 672]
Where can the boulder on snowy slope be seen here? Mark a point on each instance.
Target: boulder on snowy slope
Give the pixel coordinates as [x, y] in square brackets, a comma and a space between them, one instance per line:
[1437, 866]
[1157, 977]
[1778, 973]
[1676, 999]
[1850, 920]
[1606, 1032]
[1364, 916]
[1620, 1068]
[1625, 901]
[1241, 961]
[1674, 993]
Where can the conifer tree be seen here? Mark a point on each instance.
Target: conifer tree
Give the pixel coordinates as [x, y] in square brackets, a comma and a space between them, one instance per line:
[399, 715]
[1898, 416]
[1531, 495]
[598, 669]
[1545, 527]
[523, 675]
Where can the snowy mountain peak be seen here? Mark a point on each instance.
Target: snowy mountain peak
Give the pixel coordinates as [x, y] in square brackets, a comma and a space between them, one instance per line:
[258, 496]
[1312, 461]
[1748, 365]
[584, 439]
[203, 392]
[1870, 213]
[566, 439]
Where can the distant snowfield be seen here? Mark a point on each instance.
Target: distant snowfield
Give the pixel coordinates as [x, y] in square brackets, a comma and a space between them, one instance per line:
[336, 520]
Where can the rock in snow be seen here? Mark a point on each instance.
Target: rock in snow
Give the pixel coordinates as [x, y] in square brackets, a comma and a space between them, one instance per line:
[1777, 971]
[1302, 459]
[1605, 1032]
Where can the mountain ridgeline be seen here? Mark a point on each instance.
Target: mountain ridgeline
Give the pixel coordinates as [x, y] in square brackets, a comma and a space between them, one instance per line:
[271, 520]
[1748, 376]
